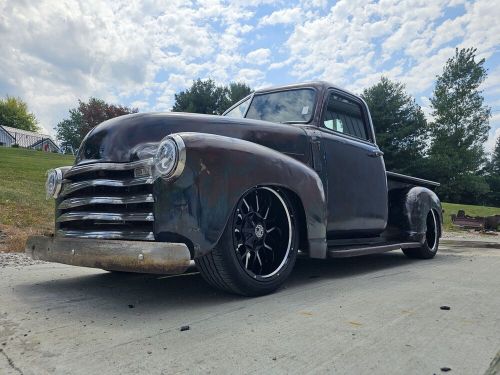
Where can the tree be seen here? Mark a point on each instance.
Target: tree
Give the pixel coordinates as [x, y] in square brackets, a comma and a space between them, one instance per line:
[206, 97]
[71, 131]
[459, 129]
[14, 113]
[68, 130]
[96, 111]
[400, 125]
[493, 177]
[494, 164]
[237, 91]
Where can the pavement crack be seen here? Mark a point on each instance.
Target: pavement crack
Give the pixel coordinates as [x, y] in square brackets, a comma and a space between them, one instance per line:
[389, 274]
[11, 362]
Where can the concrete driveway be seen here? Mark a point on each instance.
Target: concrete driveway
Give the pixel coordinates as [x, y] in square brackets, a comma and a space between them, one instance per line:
[370, 315]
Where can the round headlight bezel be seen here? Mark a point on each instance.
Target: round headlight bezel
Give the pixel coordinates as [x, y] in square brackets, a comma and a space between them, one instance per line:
[53, 184]
[174, 147]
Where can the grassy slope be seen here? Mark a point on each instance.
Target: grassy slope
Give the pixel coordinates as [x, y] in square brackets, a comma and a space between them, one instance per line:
[22, 187]
[452, 208]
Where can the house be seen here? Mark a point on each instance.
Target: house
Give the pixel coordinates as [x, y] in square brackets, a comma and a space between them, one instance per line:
[23, 138]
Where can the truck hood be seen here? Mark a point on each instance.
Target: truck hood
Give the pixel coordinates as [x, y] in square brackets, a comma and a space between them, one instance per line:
[132, 137]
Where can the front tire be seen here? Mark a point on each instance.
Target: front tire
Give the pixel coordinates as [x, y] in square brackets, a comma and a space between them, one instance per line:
[258, 248]
[430, 246]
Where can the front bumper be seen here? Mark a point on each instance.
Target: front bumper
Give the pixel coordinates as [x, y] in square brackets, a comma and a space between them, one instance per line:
[112, 255]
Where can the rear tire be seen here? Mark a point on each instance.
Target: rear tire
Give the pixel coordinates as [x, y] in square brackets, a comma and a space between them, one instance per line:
[430, 246]
[258, 248]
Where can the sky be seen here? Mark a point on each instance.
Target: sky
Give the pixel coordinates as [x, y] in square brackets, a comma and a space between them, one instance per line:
[140, 53]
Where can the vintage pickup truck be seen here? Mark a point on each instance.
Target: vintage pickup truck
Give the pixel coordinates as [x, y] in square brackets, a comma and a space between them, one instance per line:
[286, 171]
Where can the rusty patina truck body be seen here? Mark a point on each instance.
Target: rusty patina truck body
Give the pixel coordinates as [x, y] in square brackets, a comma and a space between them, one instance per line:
[286, 170]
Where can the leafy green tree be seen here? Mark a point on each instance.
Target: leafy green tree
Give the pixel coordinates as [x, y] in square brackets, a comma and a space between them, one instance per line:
[71, 131]
[493, 177]
[206, 97]
[236, 92]
[400, 125]
[493, 196]
[14, 113]
[459, 129]
[68, 130]
[494, 164]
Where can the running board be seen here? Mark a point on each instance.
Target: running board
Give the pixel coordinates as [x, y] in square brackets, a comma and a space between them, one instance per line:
[352, 251]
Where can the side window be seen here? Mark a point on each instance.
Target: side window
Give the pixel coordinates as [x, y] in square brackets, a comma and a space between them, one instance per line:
[240, 110]
[345, 116]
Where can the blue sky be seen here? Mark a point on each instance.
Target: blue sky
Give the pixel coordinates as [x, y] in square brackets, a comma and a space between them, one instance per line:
[139, 53]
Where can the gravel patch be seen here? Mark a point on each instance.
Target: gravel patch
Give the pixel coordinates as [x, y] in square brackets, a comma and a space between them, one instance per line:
[472, 235]
[17, 260]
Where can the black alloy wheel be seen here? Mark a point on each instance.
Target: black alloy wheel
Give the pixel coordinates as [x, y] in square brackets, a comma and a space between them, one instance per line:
[262, 232]
[259, 246]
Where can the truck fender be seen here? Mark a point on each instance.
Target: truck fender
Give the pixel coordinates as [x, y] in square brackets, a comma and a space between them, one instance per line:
[218, 170]
[408, 211]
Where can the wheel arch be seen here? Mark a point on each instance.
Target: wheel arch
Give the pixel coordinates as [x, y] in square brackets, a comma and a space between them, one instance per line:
[408, 211]
[301, 217]
[218, 171]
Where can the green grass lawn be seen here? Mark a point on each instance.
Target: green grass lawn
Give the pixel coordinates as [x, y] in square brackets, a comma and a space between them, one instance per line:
[22, 188]
[452, 208]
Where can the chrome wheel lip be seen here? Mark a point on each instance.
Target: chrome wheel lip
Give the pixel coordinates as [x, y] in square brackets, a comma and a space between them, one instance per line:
[289, 245]
[435, 230]
[286, 254]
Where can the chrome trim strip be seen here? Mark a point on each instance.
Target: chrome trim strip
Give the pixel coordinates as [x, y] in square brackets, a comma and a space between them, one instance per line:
[106, 216]
[77, 202]
[107, 166]
[72, 187]
[110, 235]
[410, 179]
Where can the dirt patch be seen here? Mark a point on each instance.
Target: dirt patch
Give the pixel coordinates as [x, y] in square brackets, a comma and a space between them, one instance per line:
[13, 239]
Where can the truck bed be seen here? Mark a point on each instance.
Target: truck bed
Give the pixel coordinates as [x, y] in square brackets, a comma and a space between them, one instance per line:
[394, 178]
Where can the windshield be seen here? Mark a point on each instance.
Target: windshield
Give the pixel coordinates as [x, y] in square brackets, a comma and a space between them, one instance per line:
[283, 106]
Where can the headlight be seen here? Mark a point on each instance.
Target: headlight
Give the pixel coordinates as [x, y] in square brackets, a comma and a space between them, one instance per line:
[54, 183]
[166, 158]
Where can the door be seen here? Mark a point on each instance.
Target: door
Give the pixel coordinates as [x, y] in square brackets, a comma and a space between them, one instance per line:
[356, 178]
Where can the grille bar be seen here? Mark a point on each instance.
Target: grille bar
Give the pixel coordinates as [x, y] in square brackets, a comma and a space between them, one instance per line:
[107, 167]
[77, 202]
[75, 186]
[110, 235]
[106, 216]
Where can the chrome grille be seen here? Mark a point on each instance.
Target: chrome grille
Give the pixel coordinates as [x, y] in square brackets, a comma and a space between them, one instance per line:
[107, 201]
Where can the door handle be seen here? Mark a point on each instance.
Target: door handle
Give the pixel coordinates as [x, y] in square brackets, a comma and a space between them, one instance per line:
[376, 154]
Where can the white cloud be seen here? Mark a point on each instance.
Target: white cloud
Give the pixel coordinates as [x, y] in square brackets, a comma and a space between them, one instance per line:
[283, 16]
[280, 64]
[343, 45]
[249, 76]
[259, 56]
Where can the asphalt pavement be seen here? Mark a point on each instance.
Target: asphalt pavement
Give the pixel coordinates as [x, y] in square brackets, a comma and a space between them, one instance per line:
[380, 314]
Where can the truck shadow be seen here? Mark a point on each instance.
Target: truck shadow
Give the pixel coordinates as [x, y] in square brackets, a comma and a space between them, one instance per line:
[166, 293]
